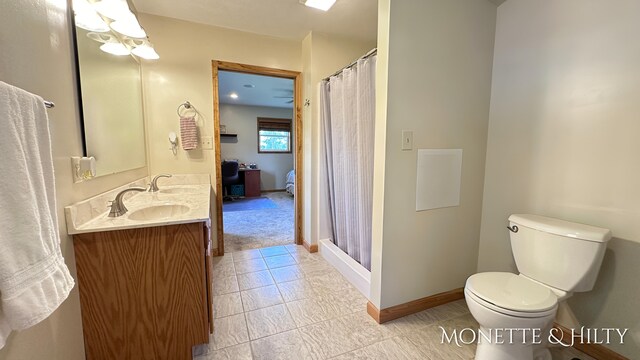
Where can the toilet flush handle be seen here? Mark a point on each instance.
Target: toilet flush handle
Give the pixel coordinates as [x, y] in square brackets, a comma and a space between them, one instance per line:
[513, 228]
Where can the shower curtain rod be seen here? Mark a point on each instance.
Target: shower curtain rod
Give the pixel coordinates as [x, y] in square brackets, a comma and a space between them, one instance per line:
[369, 54]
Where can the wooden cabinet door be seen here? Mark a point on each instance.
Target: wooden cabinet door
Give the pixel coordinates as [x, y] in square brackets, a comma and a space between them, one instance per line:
[252, 183]
[142, 292]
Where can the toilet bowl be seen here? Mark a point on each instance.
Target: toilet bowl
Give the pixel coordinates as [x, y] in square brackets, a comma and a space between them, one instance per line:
[516, 311]
[513, 312]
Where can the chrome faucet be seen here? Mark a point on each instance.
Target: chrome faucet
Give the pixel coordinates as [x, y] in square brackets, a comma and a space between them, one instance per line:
[153, 187]
[117, 205]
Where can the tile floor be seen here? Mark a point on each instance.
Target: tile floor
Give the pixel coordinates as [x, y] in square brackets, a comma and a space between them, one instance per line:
[284, 303]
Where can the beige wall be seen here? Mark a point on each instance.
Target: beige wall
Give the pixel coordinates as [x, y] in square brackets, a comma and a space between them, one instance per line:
[380, 149]
[39, 60]
[183, 72]
[322, 56]
[439, 82]
[242, 120]
[563, 140]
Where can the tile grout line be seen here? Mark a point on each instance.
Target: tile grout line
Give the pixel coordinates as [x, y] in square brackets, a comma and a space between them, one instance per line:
[285, 303]
[244, 312]
[452, 314]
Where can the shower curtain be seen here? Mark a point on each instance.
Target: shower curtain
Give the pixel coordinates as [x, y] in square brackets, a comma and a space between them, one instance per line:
[347, 114]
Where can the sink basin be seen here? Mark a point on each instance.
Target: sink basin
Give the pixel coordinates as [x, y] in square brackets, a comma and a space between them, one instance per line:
[179, 190]
[158, 212]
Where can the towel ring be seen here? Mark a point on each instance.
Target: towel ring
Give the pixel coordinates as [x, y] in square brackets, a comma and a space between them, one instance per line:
[187, 105]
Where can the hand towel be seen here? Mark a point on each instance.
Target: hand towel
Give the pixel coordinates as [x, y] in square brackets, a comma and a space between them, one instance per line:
[188, 133]
[34, 279]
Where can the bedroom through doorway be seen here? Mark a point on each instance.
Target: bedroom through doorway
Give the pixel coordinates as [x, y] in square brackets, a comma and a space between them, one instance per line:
[257, 121]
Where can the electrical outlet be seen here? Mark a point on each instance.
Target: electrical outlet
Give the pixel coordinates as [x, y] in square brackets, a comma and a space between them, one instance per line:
[407, 140]
[207, 142]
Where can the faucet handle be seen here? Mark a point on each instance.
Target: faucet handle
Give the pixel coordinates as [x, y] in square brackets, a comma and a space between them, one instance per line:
[153, 186]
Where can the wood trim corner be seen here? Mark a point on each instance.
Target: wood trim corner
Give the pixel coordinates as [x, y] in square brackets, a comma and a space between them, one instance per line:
[412, 307]
[297, 102]
[312, 248]
[373, 311]
[596, 351]
[218, 160]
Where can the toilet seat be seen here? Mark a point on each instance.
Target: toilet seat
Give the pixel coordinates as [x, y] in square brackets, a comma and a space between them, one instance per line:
[511, 294]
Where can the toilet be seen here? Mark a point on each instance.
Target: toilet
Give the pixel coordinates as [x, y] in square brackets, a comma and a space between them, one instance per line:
[555, 258]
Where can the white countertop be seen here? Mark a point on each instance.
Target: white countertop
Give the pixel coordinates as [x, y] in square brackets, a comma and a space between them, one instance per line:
[196, 198]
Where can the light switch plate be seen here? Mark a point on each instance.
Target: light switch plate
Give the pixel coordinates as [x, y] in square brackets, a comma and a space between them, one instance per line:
[207, 142]
[407, 140]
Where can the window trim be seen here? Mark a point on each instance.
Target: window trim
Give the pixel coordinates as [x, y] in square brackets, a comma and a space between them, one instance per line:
[274, 124]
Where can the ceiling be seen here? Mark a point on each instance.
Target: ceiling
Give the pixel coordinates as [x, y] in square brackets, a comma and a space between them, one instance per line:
[267, 90]
[355, 19]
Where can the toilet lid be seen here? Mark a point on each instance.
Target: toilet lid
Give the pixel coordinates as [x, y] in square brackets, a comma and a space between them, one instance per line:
[512, 292]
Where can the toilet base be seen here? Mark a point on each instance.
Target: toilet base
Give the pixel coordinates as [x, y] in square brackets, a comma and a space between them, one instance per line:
[517, 345]
[488, 351]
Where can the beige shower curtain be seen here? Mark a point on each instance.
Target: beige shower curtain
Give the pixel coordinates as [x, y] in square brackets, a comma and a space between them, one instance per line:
[347, 105]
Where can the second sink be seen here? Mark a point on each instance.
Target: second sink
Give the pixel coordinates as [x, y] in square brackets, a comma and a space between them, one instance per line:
[158, 212]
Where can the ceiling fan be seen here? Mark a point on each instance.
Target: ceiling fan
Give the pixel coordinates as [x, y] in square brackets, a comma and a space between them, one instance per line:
[285, 97]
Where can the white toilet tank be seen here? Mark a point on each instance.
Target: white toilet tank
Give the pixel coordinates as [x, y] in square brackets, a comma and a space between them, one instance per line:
[558, 253]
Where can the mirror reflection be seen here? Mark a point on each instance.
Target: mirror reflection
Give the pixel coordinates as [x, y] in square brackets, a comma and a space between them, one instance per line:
[111, 102]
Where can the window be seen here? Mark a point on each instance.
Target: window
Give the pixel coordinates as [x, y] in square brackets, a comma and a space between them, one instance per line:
[274, 135]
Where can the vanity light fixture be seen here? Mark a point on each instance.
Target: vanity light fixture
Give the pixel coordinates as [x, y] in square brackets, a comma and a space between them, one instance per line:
[127, 37]
[87, 18]
[110, 43]
[323, 5]
[144, 49]
[129, 26]
[115, 48]
[129, 29]
[113, 9]
[233, 95]
[91, 22]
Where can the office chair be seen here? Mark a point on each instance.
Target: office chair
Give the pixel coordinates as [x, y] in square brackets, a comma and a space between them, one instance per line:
[229, 177]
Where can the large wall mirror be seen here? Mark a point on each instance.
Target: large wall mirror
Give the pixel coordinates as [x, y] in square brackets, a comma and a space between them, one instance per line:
[111, 103]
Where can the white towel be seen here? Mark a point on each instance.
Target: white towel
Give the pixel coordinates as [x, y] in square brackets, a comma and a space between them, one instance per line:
[34, 279]
[188, 133]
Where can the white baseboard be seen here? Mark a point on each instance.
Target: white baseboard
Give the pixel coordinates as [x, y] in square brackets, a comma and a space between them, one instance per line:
[349, 268]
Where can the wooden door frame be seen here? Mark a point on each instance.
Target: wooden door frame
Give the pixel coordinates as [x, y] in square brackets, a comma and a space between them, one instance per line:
[296, 76]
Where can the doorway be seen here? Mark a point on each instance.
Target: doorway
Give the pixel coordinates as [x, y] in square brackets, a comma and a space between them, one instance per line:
[247, 177]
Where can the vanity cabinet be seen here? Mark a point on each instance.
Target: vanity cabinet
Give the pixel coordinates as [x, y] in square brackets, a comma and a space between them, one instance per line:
[145, 293]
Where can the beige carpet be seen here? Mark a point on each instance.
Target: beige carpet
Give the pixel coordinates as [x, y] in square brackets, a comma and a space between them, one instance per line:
[254, 229]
